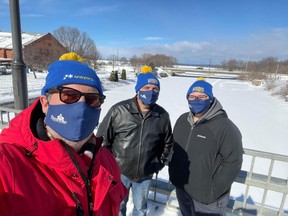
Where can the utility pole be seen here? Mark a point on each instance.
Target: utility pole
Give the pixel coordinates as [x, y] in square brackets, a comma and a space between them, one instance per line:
[246, 68]
[18, 66]
[118, 60]
[210, 64]
[277, 69]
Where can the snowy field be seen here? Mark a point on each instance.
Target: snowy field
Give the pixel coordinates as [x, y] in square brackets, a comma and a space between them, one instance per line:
[262, 118]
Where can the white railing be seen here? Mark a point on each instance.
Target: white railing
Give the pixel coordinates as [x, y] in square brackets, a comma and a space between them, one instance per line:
[249, 178]
[6, 114]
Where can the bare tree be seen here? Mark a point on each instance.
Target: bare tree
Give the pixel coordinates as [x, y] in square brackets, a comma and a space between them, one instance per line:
[158, 60]
[163, 60]
[146, 59]
[113, 60]
[233, 64]
[38, 58]
[135, 62]
[269, 64]
[92, 60]
[263, 66]
[123, 60]
[79, 42]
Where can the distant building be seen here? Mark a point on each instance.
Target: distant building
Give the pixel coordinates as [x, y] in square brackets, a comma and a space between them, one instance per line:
[39, 50]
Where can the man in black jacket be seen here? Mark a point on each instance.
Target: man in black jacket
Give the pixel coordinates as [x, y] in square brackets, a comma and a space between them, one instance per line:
[207, 154]
[139, 134]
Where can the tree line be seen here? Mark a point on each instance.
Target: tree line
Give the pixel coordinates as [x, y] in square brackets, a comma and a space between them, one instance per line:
[265, 65]
[153, 61]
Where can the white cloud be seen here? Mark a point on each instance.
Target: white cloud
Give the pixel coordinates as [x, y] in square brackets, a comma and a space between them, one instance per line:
[33, 15]
[153, 38]
[255, 47]
[87, 11]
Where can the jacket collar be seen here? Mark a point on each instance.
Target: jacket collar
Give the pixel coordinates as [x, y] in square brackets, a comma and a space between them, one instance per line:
[134, 108]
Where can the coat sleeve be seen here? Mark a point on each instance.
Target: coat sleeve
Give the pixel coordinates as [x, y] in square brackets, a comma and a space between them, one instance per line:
[229, 159]
[105, 130]
[168, 142]
[6, 186]
[109, 189]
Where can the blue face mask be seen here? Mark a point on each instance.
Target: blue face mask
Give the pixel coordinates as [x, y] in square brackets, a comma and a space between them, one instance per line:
[148, 97]
[74, 122]
[198, 106]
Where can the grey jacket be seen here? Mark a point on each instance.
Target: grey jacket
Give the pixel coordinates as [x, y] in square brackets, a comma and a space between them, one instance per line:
[137, 142]
[207, 155]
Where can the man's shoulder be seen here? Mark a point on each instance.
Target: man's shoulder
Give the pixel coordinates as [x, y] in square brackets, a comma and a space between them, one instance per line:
[126, 102]
[222, 123]
[183, 116]
[182, 120]
[159, 109]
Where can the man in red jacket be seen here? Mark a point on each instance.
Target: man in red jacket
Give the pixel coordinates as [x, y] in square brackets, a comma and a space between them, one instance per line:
[51, 162]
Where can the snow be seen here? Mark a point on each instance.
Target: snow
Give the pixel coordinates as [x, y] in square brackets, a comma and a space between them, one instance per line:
[261, 118]
[6, 39]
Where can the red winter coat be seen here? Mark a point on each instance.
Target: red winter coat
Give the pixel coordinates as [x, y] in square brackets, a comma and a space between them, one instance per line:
[47, 182]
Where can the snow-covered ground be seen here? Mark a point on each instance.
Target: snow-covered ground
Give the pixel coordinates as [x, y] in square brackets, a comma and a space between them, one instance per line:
[262, 118]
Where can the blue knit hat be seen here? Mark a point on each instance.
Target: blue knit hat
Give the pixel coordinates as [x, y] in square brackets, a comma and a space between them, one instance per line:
[146, 78]
[200, 85]
[65, 72]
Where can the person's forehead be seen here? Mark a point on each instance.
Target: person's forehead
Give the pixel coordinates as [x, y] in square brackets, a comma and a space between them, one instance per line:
[198, 93]
[150, 86]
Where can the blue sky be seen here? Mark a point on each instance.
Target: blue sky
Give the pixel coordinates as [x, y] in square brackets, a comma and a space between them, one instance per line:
[193, 31]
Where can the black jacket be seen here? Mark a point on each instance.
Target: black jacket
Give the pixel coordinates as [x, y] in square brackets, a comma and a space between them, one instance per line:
[207, 155]
[136, 142]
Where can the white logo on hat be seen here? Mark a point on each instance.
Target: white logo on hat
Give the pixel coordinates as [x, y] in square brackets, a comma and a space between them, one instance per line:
[152, 80]
[68, 76]
[60, 119]
[71, 76]
[198, 89]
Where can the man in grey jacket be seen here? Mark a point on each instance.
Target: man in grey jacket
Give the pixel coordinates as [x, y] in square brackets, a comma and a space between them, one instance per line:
[138, 132]
[207, 154]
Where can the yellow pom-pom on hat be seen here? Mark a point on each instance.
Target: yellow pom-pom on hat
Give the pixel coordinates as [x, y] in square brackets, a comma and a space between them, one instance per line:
[201, 78]
[146, 69]
[71, 56]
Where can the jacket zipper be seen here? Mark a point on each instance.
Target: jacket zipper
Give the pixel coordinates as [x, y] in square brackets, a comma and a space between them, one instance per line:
[79, 208]
[190, 134]
[87, 182]
[140, 146]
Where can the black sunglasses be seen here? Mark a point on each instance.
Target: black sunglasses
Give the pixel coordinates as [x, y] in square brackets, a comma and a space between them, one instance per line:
[69, 95]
